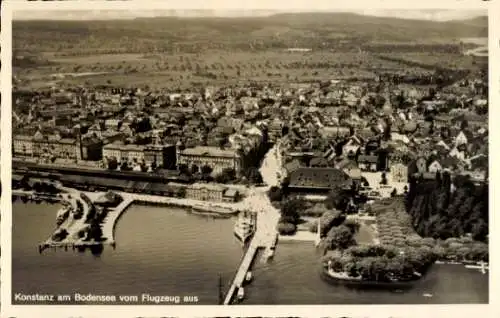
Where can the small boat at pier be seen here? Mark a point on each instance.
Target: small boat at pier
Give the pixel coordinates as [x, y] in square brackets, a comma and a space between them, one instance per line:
[248, 277]
[245, 226]
[241, 294]
[482, 267]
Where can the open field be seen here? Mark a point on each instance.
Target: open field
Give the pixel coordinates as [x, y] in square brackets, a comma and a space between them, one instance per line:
[186, 52]
[218, 67]
[476, 41]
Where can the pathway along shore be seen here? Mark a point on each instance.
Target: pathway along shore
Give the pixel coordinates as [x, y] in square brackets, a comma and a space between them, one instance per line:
[256, 201]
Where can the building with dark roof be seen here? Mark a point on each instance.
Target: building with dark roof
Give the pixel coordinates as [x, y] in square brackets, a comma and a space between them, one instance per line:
[317, 180]
[368, 162]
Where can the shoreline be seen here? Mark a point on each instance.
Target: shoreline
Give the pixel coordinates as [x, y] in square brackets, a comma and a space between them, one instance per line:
[358, 283]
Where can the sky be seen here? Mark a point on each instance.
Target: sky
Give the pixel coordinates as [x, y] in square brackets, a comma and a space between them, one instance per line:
[436, 15]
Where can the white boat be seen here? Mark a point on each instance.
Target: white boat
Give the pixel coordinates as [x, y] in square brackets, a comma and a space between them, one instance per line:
[241, 294]
[482, 267]
[427, 295]
[248, 276]
[244, 227]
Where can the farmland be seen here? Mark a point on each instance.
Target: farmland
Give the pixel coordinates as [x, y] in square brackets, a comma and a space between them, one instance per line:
[187, 52]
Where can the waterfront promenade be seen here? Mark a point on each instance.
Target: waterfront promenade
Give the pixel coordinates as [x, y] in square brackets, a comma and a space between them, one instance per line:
[256, 200]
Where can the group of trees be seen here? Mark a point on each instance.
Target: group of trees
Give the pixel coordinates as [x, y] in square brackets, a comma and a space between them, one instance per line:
[287, 224]
[438, 75]
[342, 199]
[382, 263]
[113, 164]
[60, 235]
[252, 175]
[461, 249]
[341, 237]
[227, 175]
[336, 231]
[94, 219]
[290, 216]
[203, 173]
[43, 187]
[393, 223]
[439, 211]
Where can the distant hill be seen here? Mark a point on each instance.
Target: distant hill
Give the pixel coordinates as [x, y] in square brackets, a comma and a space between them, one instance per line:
[478, 21]
[314, 30]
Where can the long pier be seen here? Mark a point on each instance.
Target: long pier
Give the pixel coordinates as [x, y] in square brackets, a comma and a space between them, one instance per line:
[265, 237]
[239, 279]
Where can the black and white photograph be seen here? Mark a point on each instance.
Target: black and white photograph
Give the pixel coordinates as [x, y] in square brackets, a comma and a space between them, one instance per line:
[249, 157]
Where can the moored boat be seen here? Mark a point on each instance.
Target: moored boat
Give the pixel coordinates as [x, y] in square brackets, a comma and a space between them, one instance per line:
[244, 227]
[241, 294]
[248, 276]
[481, 266]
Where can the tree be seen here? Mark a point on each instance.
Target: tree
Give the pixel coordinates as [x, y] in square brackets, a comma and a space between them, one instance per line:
[226, 176]
[292, 208]
[184, 169]
[254, 176]
[206, 170]
[95, 232]
[112, 163]
[275, 194]
[181, 193]
[330, 219]
[287, 228]
[124, 166]
[383, 181]
[365, 182]
[480, 230]
[352, 225]
[340, 237]
[195, 169]
[337, 199]
[394, 192]
[464, 124]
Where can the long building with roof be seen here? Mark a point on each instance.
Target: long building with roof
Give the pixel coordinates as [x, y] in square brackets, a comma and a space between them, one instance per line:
[216, 158]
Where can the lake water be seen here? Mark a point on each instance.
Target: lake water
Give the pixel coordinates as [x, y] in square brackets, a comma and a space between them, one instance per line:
[169, 252]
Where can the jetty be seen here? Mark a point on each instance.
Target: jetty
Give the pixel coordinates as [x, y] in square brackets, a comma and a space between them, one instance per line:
[108, 225]
[71, 225]
[265, 237]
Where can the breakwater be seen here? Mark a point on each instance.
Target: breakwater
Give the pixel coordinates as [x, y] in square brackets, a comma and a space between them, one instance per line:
[73, 227]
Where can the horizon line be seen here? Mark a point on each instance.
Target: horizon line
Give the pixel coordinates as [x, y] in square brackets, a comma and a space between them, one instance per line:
[121, 14]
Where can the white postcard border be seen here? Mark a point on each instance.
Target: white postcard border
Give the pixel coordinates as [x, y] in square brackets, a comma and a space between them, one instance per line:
[9, 310]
